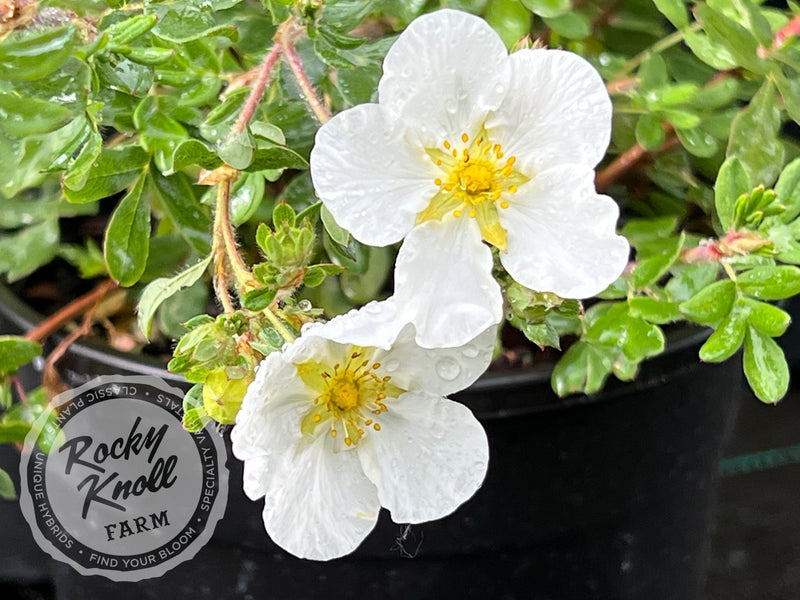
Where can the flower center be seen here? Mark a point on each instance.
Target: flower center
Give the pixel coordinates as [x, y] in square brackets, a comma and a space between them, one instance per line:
[350, 396]
[476, 179]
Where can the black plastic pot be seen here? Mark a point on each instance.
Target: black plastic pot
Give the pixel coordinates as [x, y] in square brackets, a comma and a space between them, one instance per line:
[603, 497]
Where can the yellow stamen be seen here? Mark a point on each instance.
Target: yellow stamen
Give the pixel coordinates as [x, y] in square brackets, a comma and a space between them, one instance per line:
[464, 138]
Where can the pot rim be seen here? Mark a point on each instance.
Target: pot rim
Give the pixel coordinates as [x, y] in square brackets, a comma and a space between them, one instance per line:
[680, 340]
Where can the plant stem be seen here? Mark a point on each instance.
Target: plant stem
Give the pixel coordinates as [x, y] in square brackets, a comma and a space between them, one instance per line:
[661, 45]
[78, 306]
[218, 246]
[257, 90]
[226, 254]
[627, 160]
[296, 65]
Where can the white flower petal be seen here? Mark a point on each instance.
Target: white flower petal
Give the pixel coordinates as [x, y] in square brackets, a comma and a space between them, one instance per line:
[429, 457]
[561, 235]
[371, 180]
[556, 110]
[444, 73]
[276, 390]
[440, 371]
[321, 506]
[444, 283]
[375, 325]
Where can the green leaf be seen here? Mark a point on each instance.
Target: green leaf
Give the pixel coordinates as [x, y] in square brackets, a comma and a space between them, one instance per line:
[159, 290]
[732, 181]
[653, 73]
[716, 94]
[583, 368]
[770, 283]
[711, 304]
[35, 53]
[698, 142]
[650, 131]
[765, 366]
[509, 19]
[754, 136]
[7, 491]
[78, 170]
[127, 236]
[655, 311]
[338, 234]
[186, 22]
[246, 195]
[113, 171]
[675, 11]
[768, 319]
[282, 214]
[237, 149]
[727, 337]
[571, 25]
[24, 116]
[259, 299]
[788, 190]
[160, 133]
[709, 51]
[276, 157]
[547, 8]
[26, 250]
[688, 279]
[89, 260]
[124, 32]
[649, 270]
[680, 119]
[194, 152]
[181, 204]
[16, 351]
[738, 40]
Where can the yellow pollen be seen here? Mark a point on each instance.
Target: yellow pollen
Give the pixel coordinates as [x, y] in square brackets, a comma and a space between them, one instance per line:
[499, 154]
[376, 427]
[456, 213]
[475, 178]
[437, 181]
[510, 161]
[504, 204]
[512, 189]
[455, 153]
[387, 378]
[473, 214]
[360, 431]
[368, 422]
[479, 141]
[464, 138]
[333, 433]
[376, 366]
[344, 394]
[348, 441]
[317, 418]
[447, 144]
[438, 162]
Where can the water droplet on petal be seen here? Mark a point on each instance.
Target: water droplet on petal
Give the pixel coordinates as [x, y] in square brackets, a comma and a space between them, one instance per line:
[447, 368]
[470, 351]
[304, 305]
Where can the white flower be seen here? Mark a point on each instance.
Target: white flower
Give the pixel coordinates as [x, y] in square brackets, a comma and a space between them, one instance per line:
[351, 417]
[469, 143]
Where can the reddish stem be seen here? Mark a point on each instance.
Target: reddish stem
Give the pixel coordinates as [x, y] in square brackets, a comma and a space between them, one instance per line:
[257, 91]
[66, 314]
[296, 65]
[628, 160]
